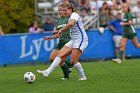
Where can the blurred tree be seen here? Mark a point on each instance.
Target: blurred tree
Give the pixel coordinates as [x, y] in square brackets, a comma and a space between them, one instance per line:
[16, 15]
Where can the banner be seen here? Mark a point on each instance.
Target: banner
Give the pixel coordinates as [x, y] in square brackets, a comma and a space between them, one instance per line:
[25, 48]
[22, 48]
[102, 46]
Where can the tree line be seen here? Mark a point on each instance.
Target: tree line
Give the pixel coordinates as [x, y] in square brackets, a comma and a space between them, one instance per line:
[16, 15]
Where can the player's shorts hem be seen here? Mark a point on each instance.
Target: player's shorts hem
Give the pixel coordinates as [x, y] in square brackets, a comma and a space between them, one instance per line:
[129, 36]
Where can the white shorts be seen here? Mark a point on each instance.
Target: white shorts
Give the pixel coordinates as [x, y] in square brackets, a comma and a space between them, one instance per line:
[117, 40]
[77, 44]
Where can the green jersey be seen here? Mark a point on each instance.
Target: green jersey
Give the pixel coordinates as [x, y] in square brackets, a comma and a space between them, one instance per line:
[129, 29]
[65, 35]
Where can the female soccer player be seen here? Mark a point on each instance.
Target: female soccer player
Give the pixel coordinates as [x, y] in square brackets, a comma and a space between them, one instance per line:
[62, 40]
[75, 46]
[128, 33]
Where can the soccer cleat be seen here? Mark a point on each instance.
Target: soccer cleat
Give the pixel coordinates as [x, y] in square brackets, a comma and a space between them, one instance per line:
[82, 78]
[65, 78]
[43, 73]
[117, 60]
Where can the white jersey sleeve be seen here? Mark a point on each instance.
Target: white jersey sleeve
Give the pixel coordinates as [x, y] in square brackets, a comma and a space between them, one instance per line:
[74, 16]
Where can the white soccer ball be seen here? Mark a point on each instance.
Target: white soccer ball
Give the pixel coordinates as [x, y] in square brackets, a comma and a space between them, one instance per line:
[29, 77]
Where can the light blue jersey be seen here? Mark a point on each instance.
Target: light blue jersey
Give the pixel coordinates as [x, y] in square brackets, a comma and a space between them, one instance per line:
[77, 30]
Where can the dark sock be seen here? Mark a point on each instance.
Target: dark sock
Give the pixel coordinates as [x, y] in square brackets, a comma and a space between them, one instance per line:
[121, 54]
[69, 64]
[65, 70]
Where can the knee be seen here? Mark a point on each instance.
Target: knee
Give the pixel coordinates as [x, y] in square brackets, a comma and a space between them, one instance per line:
[73, 61]
[61, 54]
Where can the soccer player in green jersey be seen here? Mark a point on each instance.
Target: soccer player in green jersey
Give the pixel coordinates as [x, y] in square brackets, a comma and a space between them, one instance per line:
[62, 21]
[128, 33]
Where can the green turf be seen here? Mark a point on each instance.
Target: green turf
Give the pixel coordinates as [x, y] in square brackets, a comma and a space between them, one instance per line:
[102, 77]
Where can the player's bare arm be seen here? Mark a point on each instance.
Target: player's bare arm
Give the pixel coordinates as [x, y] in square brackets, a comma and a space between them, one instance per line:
[55, 32]
[51, 37]
[70, 24]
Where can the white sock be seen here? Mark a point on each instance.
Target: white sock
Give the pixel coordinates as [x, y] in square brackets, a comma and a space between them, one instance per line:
[54, 64]
[79, 68]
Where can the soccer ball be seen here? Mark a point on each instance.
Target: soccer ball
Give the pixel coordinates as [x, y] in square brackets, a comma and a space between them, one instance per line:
[29, 77]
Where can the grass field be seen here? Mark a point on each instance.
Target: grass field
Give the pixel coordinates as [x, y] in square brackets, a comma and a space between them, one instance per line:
[102, 77]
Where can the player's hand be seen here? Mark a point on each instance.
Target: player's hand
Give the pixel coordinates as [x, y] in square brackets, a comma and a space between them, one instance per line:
[122, 23]
[47, 37]
[59, 33]
[55, 32]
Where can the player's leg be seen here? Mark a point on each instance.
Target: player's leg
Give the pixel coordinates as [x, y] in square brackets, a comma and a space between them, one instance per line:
[121, 52]
[76, 53]
[55, 51]
[63, 66]
[69, 64]
[65, 69]
[117, 52]
[122, 47]
[78, 48]
[117, 40]
[62, 53]
[135, 42]
[117, 45]
[53, 54]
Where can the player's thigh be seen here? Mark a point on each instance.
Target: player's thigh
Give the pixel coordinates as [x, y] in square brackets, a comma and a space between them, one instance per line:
[65, 51]
[53, 54]
[75, 55]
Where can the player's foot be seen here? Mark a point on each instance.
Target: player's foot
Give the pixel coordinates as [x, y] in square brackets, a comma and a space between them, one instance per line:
[65, 78]
[82, 78]
[43, 73]
[117, 60]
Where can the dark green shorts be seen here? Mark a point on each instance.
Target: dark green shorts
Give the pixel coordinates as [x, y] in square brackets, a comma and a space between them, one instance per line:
[60, 45]
[129, 36]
